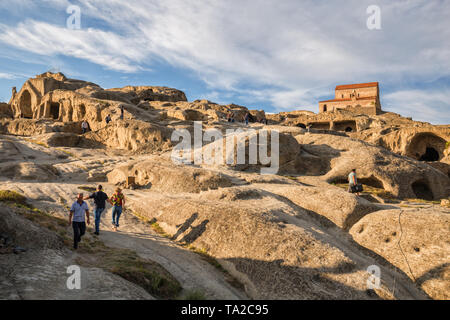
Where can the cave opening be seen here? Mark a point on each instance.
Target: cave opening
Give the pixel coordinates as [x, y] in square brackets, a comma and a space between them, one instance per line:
[422, 190]
[82, 109]
[54, 110]
[426, 146]
[346, 126]
[431, 154]
[25, 105]
[371, 182]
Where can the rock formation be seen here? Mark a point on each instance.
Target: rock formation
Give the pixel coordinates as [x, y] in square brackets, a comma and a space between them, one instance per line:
[293, 234]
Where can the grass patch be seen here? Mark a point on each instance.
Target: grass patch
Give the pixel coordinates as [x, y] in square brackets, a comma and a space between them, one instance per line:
[42, 218]
[14, 197]
[371, 190]
[193, 295]
[88, 189]
[206, 256]
[39, 143]
[423, 201]
[70, 154]
[157, 228]
[127, 264]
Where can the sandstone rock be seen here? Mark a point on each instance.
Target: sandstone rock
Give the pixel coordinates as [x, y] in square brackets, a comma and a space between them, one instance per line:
[97, 176]
[132, 135]
[29, 171]
[61, 139]
[377, 167]
[185, 115]
[342, 208]
[5, 110]
[415, 241]
[149, 93]
[258, 240]
[47, 277]
[163, 175]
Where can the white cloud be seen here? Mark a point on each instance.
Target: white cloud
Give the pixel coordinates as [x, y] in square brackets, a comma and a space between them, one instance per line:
[422, 105]
[101, 47]
[8, 76]
[296, 51]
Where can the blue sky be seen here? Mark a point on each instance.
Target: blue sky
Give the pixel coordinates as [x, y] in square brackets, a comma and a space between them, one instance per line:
[264, 54]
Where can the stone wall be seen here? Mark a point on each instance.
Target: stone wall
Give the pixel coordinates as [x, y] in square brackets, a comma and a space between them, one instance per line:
[363, 100]
[360, 92]
[5, 110]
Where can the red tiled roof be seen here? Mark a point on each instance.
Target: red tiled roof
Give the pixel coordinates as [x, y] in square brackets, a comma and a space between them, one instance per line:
[339, 100]
[358, 85]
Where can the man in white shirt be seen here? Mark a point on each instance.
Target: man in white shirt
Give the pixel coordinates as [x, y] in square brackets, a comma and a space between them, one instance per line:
[84, 126]
[76, 219]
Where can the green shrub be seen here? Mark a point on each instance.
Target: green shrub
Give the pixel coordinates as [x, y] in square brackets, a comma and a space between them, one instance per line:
[88, 189]
[13, 196]
[147, 274]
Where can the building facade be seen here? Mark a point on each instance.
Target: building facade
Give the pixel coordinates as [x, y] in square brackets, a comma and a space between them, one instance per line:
[359, 98]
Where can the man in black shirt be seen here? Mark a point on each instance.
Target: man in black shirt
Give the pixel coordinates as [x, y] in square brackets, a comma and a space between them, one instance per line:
[100, 199]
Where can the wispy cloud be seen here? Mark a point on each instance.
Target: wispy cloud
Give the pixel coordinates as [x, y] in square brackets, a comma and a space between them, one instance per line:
[7, 76]
[101, 47]
[423, 105]
[289, 53]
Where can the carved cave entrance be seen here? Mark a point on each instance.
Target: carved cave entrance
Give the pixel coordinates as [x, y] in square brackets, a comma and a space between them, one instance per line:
[422, 190]
[426, 147]
[54, 110]
[25, 105]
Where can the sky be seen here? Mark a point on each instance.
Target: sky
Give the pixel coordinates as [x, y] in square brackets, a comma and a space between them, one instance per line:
[275, 55]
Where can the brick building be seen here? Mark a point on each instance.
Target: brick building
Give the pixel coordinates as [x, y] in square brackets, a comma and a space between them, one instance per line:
[360, 98]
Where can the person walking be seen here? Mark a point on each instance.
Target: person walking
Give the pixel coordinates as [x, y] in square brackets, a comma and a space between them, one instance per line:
[84, 126]
[121, 112]
[100, 199]
[246, 118]
[353, 182]
[77, 219]
[118, 202]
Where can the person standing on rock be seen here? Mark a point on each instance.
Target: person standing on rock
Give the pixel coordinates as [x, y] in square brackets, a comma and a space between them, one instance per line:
[246, 118]
[84, 126]
[77, 219]
[118, 203]
[100, 199]
[353, 182]
[121, 112]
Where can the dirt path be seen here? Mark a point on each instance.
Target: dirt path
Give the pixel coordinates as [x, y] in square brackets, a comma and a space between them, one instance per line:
[193, 272]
